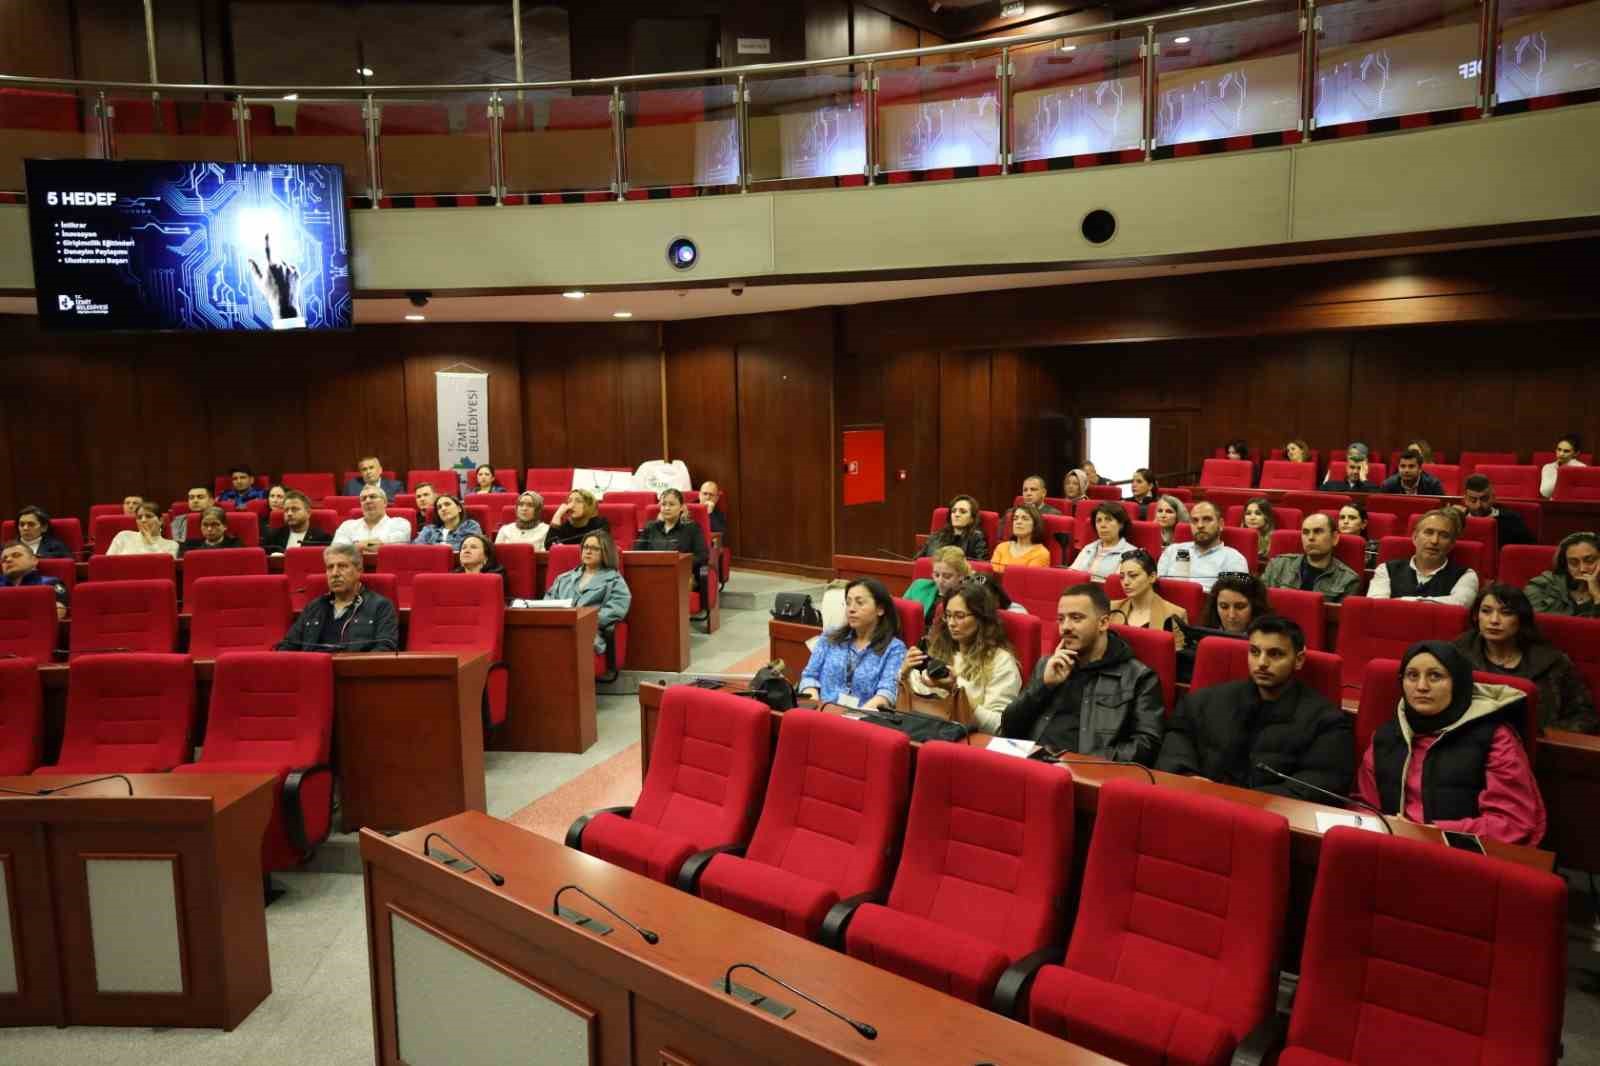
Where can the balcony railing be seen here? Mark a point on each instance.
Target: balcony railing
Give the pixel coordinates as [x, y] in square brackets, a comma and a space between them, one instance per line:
[1246, 74]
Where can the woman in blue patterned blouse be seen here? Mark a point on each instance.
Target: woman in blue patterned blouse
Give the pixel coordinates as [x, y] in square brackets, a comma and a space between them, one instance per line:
[858, 664]
[450, 524]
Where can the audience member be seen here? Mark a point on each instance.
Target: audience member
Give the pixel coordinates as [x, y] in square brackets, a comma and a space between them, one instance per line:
[1141, 606]
[576, 519]
[675, 531]
[276, 495]
[1075, 486]
[1316, 569]
[1236, 600]
[1410, 479]
[370, 472]
[1451, 756]
[1167, 513]
[349, 616]
[1353, 521]
[424, 494]
[199, 499]
[596, 582]
[375, 526]
[970, 641]
[1567, 449]
[477, 557]
[1093, 475]
[1478, 496]
[858, 663]
[1100, 559]
[20, 567]
[147, 539]
[1224, 732]
[33, 529]
[1572, 584]
[1205, 557]
[1429, 574]
[962, 529]
[1033, 494]
[1090, 696]
[528, 527]
[449, 524]
[711, 498]
[1259, 516]
[242, 489]
[213, 532]
[1023, 549]
[1145, 492]
[130, 504]
[1505, 639]
[1296, 451]
[1357, 468]
[950, 569]
[297, 530]
[1421, 447]
[1236, 449]
[483, 481]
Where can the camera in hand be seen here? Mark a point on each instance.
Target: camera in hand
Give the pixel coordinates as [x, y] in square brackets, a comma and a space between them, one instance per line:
[933, 669]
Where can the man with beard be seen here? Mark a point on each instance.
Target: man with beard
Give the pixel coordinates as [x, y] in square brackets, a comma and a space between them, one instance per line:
[1205, 558]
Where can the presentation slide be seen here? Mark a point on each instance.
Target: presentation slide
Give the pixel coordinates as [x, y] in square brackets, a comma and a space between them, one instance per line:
[189, 246]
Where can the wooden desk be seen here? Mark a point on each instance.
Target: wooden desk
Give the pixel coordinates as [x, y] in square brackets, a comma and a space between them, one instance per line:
[1568, 768]
[787, 641]
[894, 573]
[433, 931]
[549, 655]
[142, 910]
[658, 621]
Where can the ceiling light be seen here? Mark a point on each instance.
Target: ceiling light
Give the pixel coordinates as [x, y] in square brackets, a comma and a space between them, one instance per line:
[574, 294]
[365, 72]
[622, 314]
[1180, 40]
[416, 318]
[291, 96]
[1069, 48]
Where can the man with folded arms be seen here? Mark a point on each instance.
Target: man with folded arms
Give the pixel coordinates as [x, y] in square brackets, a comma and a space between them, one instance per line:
[349, 616]
[1316, 570]
[1222, 732]
[1429, 575]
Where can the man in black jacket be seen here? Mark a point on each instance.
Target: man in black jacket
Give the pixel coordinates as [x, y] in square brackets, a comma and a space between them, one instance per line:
[1410, 479]
[1222, 732]
[1478, 496]
[350, 617]
[1091, 695]
[1356, 468]
[297, 530]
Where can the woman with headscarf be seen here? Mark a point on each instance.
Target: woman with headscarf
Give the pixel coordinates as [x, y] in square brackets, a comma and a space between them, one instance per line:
[1451, 756]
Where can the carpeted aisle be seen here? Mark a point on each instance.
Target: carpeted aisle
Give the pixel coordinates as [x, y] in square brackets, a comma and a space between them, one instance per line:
[613, 783]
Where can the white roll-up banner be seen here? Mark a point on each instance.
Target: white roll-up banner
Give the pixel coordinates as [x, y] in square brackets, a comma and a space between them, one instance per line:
[463, 421]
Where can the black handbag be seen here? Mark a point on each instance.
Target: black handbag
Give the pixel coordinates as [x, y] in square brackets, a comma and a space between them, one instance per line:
[919, 727]
[771, 687]
[796, 607]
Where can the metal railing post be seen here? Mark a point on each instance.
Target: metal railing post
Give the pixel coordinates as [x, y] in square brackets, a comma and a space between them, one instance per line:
[371, 115]
[150, 60]
[1147, 52]
[497, 159]
[870, 87]
[619, 145]
[1310, 23]
[741, 117]
[1489, 59]
[1005, 73]
[241, 127]
[107, 136]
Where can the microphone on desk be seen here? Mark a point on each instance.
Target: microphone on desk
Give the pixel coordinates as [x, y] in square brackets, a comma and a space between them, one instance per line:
[87, 781]
[896, 555]
[1097, 762]
[1343, 801]
[863, 1028]
[494, 877]
[650, 937]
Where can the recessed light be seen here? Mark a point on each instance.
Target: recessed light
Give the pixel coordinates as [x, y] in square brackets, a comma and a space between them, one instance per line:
[416, 318]
[365, 72]
[1180, 40]
[574, 294]
[1069, 48]
[622, 314]
[291, 96]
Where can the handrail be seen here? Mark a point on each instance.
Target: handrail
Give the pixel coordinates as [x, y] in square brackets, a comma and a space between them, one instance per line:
[617, 81]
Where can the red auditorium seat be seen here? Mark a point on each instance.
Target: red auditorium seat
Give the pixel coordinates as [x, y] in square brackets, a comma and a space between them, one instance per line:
[22, 715]
[549, 479]
[246, 525]
[477, 512]
[1306, 609]
[28, 625]
[1480, 980]
[1058, 531]
[1227, 473]
[63, 570]
[1377, 629]
[1146, 535]
[640, 500]
[220, 562]
[216, 119]
[1219, 661]
[1376, 471]
[1402, 507]
[316, 485]
[708, 770]
[1470, 461]
[1577, 483]
[829, 828]
[1280, 453]
[1038, 589]
[444, 482]
[1511, 481]
[298, 565]
[1580, 639]
[1449, 476]
[32, 109]
[272, 713]
[506, 478]
[1394, 458]
[1156, 649]
[123, 616]
[988, 521]
[329, 120]
[1307, 502]
[463, 613]
[134, 115]
[650, 513]
[1247, 542]
[626, 521]
[98, 509]
[238, 613]
[1105, 492]
[564, 557]
[155, 567]
[1174, 954]
[953, 920]
[128, 714]
[911, 625]
[1350, 550]
[1521, 563]
[489, 509]
[1282, 474]
[1027, 637]
[518, 562]
[1469, 553]
[70, 530]
[191, 529]
[406, 561]
[412, 119]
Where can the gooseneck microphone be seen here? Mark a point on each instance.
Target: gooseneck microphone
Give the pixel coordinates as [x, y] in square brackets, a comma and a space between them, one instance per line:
[863, 1028]
[494, 877]
[650, 937]
[1343, 801]
[1097, 762]
[87, 781]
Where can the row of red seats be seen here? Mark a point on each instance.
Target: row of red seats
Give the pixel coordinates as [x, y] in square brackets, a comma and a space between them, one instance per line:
[977, 903]
[1510, 480]
[1468, 461]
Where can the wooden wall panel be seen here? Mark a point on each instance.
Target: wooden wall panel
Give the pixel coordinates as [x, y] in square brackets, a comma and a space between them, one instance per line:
[964, 426]
[703, 413]
[36, 38]
[492, 349]
[592, 393]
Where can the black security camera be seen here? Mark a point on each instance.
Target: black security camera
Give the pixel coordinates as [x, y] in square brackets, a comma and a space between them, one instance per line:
[419, 299]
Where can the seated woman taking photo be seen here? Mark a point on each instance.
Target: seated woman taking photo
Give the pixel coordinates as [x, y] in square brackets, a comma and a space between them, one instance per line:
[961, 530]
[1167, 513]
[970, 641]
[1141, 606]
[1451, 756]
[1024, 547]
[596, 582]
[1100, 558]
[576, 519]
[450, 524]
[858, 663]
[1505, 639]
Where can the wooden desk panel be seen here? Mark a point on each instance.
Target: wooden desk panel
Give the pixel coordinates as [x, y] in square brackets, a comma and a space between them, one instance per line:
[787, 641]
[658, 621]
[655, 1004]
[1568, 768]
[894, 573]
[549, 655]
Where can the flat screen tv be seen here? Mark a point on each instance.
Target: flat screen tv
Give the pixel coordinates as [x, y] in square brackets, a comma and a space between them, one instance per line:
[138, 245]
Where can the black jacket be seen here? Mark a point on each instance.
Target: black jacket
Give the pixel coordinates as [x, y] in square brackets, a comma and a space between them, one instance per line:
[371, 625]
[567, 533]
[1351, 486]
[1427, 485]
[1564, 699]
[52, 547]
[277, 540]
[1121, 716]
[974, 545]
[1511, 529]
[686, 536]
[1221, 733]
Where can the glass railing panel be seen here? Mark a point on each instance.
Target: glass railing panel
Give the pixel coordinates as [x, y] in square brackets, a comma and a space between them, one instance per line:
[1395, 57]
[315, 131]
[1076, 97]
[813, 126]
[944, 115]
[44, 124]
[173, 127]
[1228, 79]
[556, 142]
[435, 145]
[682, 137]
[1547, 47]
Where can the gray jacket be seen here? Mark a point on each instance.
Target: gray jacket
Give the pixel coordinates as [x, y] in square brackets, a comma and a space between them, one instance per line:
[1122, 716]
[1550, 594]
[606, 590]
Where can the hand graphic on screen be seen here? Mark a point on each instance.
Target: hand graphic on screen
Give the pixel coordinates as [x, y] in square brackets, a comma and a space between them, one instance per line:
[278, 284]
